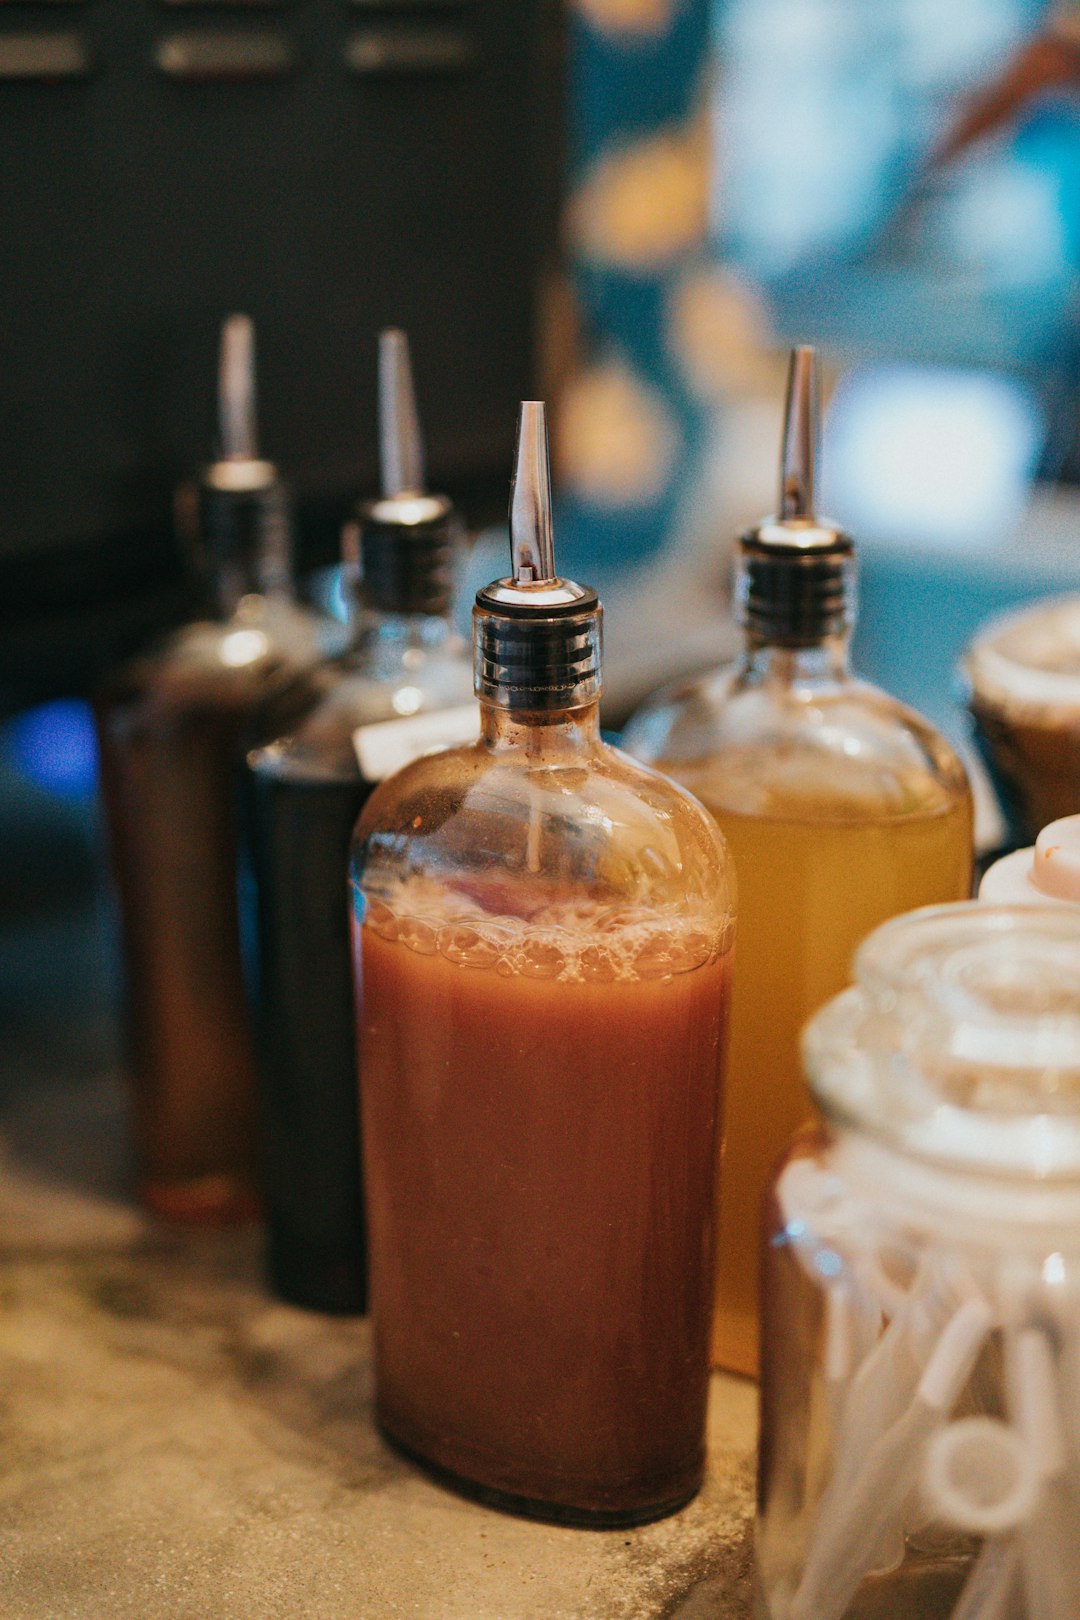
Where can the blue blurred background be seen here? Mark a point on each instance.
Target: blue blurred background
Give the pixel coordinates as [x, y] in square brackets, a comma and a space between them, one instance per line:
[897, 184]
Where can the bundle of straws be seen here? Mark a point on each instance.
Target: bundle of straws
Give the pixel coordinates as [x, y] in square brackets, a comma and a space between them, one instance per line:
[914, 1330]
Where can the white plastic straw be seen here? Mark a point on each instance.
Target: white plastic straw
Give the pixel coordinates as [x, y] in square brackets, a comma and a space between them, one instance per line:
[988, 1590]
[979, 1477]
[857, 1515]
[1051, 1539]
[888, 1377]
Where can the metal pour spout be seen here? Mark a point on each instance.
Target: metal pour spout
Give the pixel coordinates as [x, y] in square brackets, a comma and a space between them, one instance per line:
[532, 548]
[238, 421]
[795, 579]
[802, 436]
[401, 449]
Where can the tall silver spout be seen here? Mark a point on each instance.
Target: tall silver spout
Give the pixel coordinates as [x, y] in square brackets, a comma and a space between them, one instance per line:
[238, 421]
[799, 452]
[401, 449]
[531, 546]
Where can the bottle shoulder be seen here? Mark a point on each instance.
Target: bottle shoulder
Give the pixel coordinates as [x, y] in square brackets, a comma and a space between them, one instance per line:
[232, 663]
[525, 836]
[827, 749]
[350, 693]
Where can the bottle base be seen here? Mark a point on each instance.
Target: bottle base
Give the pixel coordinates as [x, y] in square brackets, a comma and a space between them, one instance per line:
[313, 1280]
[529, 1507]
[215, 1200]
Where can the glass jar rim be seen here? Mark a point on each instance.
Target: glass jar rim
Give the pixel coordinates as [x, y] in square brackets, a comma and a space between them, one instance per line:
[959, 1042]
[1029, 658]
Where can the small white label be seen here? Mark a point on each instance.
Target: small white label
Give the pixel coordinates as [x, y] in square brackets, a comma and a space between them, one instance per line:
[389, 745]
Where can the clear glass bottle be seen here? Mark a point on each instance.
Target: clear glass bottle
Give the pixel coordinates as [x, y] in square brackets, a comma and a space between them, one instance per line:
[543, 935]
[841, 808]
[920, 1398]
[1023, 676]
[304, 793]
[171, 728]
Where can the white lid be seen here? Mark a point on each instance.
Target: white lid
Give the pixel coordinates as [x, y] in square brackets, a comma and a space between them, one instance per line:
[1046, 874]
[960, 1041]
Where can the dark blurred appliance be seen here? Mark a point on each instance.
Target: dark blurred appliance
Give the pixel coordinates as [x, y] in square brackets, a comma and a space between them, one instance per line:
[330, 167]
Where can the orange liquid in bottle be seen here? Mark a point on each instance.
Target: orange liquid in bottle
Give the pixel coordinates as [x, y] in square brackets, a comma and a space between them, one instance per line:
[810, 890]
[540, 1158]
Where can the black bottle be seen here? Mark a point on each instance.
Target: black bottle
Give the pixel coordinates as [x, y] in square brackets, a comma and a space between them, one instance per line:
[304, 793]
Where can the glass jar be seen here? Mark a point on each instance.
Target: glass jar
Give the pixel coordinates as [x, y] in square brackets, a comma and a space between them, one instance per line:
[920, 1400]
[1023, 678]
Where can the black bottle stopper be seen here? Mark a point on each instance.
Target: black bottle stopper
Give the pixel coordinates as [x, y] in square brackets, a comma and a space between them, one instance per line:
[795, 581]
[402, 545]
[536, 637]
[241, 524]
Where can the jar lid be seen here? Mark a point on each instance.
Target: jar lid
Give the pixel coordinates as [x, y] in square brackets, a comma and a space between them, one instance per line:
[1047, 872]
[960, 1040]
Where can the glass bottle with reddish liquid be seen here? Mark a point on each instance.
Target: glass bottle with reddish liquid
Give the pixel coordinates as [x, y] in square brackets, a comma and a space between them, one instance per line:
[171, 729]
[543, 933]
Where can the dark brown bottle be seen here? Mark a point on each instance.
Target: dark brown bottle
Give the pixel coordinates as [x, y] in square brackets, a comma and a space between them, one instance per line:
[171, 728]
[403, 684]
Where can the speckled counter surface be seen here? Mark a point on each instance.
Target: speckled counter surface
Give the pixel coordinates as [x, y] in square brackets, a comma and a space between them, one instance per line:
[174, 1445]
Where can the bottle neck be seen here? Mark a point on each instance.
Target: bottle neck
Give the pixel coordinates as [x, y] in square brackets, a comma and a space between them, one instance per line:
[387, 643]
[564, 736]
[243, 544]
[824, 663]
[786, 596]
[228, 583]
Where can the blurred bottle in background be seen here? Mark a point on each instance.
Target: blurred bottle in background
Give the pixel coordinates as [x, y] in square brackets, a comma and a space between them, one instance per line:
[171, 727]
[403, 685]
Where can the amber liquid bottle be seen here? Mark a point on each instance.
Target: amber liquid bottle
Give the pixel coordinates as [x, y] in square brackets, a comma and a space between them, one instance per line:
[841, 808]
[171, 728]
[543, 933]
[403, 683]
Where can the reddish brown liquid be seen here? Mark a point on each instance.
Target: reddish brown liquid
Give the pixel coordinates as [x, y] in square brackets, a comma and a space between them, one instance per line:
[540, 1159]
[169, 800]
[170, 732]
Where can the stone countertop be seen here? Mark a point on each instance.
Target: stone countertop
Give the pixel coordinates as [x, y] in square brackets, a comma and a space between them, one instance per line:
[176, 1445]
